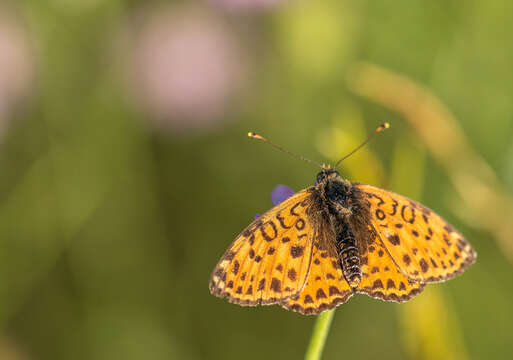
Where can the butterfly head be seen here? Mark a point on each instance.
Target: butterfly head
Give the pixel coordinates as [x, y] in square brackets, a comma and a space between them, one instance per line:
[326, 174]
[335, 190]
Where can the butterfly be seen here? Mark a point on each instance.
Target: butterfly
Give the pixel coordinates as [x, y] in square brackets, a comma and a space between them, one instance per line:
[322, 245]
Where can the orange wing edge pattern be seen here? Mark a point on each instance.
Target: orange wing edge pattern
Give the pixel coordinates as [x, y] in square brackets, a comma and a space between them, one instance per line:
[321, 308]
[417, 288]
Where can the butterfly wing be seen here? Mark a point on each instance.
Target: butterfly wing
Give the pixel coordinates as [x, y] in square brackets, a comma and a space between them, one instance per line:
[325, 286]
[422, 244]
[269, 261]
[382, 279]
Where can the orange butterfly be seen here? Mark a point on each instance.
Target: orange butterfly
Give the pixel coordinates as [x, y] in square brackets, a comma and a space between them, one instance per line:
[323, 244]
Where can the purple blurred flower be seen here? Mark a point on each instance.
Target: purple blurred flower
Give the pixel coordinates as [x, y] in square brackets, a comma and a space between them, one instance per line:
[188, 67]
[279, 194]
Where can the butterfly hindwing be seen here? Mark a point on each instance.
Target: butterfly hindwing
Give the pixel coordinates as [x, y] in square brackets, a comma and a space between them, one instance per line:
[422, 244]
[382, 279]
[325, 286]
[269, 261]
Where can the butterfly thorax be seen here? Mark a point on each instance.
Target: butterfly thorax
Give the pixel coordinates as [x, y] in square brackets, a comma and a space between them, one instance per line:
[341, 204]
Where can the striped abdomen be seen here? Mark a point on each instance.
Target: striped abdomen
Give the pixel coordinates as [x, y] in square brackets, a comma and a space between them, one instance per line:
[349, 256]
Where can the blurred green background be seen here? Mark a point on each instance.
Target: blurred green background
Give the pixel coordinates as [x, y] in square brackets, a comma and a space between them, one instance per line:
[126, 171]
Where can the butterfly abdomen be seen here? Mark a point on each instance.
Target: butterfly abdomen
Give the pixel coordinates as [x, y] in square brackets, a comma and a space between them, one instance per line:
[349, 255]
[342, 203]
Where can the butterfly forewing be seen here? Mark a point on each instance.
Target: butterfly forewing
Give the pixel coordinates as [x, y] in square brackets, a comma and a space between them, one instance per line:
[422, 244]
[269, 261]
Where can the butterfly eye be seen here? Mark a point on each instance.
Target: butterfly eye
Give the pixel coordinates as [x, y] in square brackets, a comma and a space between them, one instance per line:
[320, 177]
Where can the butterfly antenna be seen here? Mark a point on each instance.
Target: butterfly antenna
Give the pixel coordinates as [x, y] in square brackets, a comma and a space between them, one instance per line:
[378, 129]
[258, 137]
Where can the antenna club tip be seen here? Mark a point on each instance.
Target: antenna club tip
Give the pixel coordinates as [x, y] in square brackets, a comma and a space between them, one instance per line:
[254, 136]
[383, 127]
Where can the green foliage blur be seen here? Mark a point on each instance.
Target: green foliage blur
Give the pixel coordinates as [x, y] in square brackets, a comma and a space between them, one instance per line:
[121, 188]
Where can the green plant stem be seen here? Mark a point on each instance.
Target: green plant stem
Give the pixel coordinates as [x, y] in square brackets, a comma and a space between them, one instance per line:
[319, 335]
